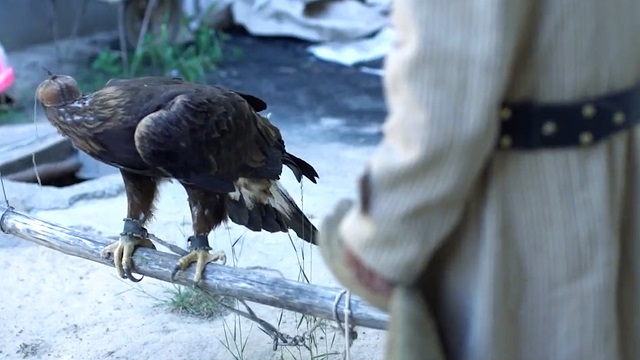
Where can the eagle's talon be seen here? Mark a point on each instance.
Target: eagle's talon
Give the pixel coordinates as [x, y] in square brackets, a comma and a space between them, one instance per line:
[222, 258]
[129, 275]
[106, 253]
[201, 257]
[122, 251]
[175, 272]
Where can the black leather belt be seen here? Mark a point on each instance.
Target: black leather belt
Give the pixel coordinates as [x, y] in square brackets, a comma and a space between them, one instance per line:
[530, 126]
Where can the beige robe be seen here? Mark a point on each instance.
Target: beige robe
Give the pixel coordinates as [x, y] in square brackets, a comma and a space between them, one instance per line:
[531, 255]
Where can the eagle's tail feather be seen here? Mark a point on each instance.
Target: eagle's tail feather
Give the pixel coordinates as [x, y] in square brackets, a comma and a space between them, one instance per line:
[277, 212]
[297, 220]
[300, 167]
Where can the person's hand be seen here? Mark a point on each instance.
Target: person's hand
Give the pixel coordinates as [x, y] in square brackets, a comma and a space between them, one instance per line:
[369, 278]
[347, 267]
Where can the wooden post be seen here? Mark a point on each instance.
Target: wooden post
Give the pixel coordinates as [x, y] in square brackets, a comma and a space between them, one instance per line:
[236, 282]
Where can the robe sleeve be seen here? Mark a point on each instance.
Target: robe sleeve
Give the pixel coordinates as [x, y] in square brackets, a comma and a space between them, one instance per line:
[444, 82]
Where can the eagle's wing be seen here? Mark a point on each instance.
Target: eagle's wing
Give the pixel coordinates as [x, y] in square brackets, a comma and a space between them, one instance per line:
[209, 138]
[212, 138]
[256, 103]
[146, 80]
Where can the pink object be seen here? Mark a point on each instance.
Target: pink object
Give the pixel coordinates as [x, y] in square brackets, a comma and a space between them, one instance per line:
[7, 75]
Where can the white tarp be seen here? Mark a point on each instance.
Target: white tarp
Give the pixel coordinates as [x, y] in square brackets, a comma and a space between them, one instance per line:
[352, 52]
[312, 20]
[346, 32]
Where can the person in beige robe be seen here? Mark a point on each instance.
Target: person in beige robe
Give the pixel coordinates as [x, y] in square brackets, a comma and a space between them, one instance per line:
[484, 252]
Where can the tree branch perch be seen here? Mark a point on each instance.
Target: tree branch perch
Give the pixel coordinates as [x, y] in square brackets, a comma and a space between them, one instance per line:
[236, 282]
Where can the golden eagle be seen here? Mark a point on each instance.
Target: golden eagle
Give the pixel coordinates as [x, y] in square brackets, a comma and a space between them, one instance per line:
[212, 140]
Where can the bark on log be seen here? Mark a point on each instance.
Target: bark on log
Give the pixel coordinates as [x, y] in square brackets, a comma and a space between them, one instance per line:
[240, 283]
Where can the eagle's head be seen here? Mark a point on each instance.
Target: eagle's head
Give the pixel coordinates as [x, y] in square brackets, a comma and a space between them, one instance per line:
[58, 90]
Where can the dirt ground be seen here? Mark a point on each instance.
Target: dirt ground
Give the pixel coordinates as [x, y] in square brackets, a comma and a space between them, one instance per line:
[54, 306]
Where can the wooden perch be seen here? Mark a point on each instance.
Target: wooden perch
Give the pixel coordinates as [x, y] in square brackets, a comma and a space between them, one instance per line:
[236, 282]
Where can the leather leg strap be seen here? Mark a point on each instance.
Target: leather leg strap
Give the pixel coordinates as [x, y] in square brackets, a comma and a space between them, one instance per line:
[133, 227]
[199, 242]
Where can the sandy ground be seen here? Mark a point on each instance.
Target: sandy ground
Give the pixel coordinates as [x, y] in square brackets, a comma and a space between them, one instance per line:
[61, 307]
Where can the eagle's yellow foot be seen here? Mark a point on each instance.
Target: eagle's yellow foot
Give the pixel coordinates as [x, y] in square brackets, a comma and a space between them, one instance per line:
[123, 249]
[200, 255]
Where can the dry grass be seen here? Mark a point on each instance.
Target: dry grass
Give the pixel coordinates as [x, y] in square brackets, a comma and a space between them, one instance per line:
[196, 302]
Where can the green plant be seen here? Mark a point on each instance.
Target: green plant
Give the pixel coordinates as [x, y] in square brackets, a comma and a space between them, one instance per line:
[158, 56]
[196, 302]
[8, 116]
[9, 111]
[107, 62]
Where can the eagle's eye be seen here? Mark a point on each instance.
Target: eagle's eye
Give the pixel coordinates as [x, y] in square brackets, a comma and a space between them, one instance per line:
[58, 90]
